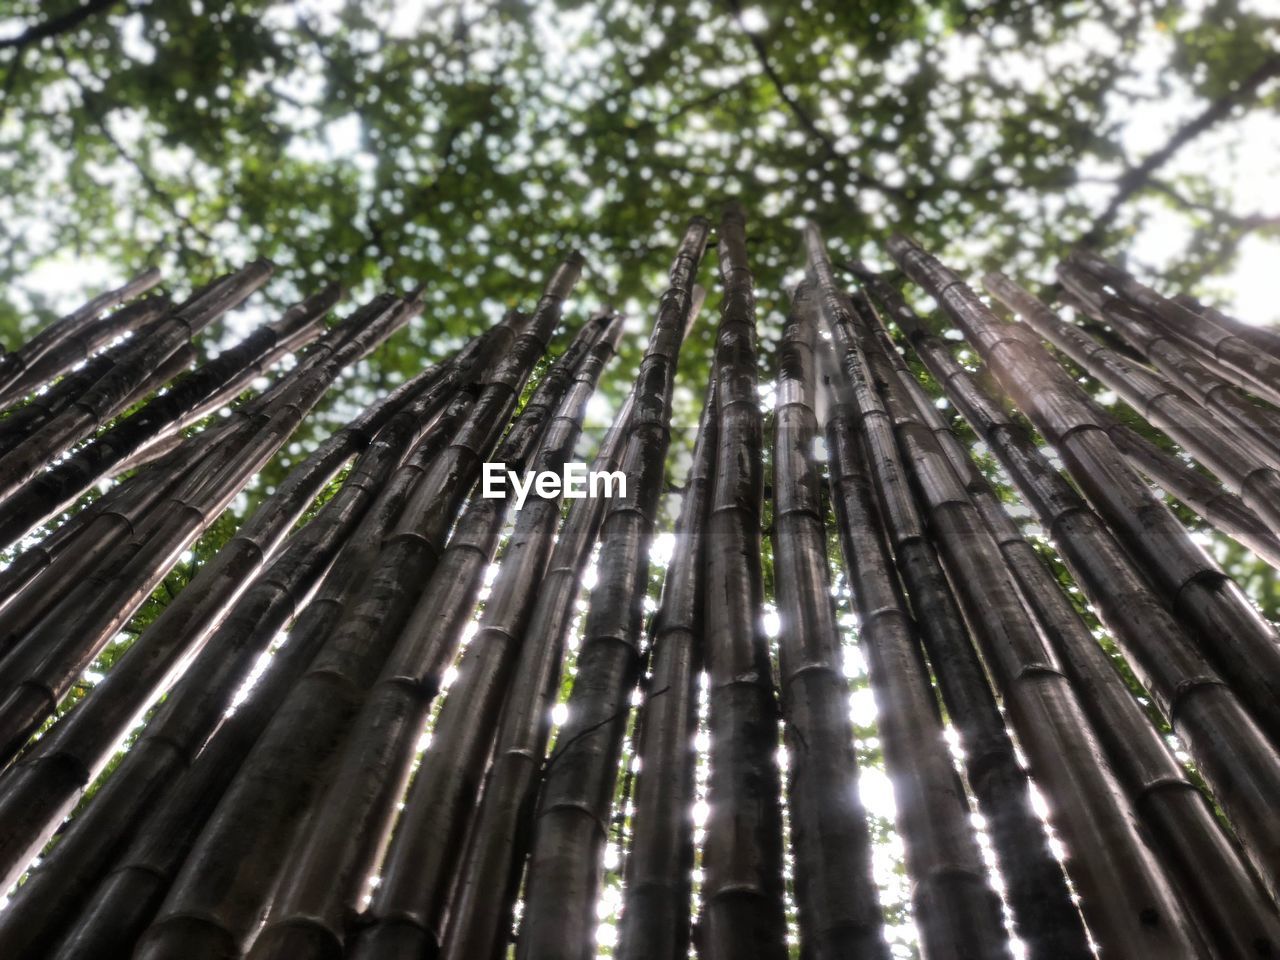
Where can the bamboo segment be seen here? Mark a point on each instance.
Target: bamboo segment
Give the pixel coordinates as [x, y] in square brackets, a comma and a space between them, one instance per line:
[47, 660]
[197, 703]
[116, 388]
[226, 884]
[835, 890]
[24, 421]
[573, 813]
[1221, 508]
[1205, 437]
[742, 911]
[1259, 426]
[324, 882]
[55, 349]
[955, 909]
[1237, 359]
[1263, 337]
[128, 898]
[1128, 904]
[1201, 708]
[1044, 916]
[1224, 894]
[45, 580]
[1224, 622]
[205, 389]
[81, 742]
[479, 922]
[658, 888]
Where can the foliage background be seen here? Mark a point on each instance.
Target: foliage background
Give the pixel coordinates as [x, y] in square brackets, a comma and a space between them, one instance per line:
[463, 145]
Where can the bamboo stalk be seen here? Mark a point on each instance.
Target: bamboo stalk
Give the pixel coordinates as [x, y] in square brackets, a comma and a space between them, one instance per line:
[195, 706]
[226, 883]
[742, 911]
[1209, 439]
[68, 757]
[113, 391]
[213, 383]
[479, 921]
[1258, 425]
[1263, 337]
[39, 352]
[658, 887]
[1237, 359]
[835, 891]
[324, 882]
[565, 860]
[955, 907]
[1223, 892]
[131, 894]
[1202, 709]
[407, 909]
[48, 659]
[24, 421]
[1128, 903]
[1045, 917]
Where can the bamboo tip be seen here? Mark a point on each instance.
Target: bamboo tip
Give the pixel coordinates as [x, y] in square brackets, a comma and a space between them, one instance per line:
[900, 244]
[734, 211]
[860, 270]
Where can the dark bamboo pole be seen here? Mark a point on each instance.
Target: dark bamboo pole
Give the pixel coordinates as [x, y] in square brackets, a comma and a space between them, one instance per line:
[130, 895]
[112, 392]
[1045, 917]
[1221, 508]
[1128, 903]
[127, 320]
[206, 388]
[225, 885]
[324, 882]
[22, 422]
[36, 351]
[955, 909]
[49, 658]
[1259, 425]
[742, 910]
[565, 860]
[1263, 337]
[1224, 894]
[835, 891]
[1225, 623]
[1237, 359]
[1206, 713]
[42, 577]
[51, 774]
[195, 706]
[479, 922]
[657, 894]
[1209, 439]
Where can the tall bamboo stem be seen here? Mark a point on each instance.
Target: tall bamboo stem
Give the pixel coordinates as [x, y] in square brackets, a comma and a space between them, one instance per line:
[573, 813]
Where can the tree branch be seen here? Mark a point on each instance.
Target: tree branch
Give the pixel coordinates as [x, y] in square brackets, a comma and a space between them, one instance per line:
[1245, 222]
[55, 26]
[802, 115]
[1137, 178]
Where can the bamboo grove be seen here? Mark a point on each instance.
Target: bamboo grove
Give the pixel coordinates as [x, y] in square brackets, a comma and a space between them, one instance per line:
[392, 717]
